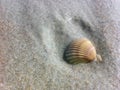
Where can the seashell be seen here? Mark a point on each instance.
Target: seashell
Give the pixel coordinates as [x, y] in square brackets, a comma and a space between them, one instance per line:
[81, 51]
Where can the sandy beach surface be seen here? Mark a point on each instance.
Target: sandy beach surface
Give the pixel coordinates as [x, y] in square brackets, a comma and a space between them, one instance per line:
[35, 33]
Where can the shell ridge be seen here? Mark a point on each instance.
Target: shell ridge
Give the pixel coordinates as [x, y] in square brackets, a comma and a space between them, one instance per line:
[78, 51]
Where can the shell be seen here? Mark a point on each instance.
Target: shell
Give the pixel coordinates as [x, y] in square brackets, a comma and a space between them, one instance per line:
[80, 51]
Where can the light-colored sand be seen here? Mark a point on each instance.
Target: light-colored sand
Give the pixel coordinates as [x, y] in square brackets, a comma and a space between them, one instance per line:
[35, 33]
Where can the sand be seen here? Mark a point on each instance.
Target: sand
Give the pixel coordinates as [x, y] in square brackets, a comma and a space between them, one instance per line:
[35, 33]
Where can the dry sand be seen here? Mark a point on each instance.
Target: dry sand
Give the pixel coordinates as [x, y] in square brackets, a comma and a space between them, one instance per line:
[35, 33]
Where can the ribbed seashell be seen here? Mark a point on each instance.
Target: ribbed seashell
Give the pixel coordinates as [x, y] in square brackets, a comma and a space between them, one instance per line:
[81, 50]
